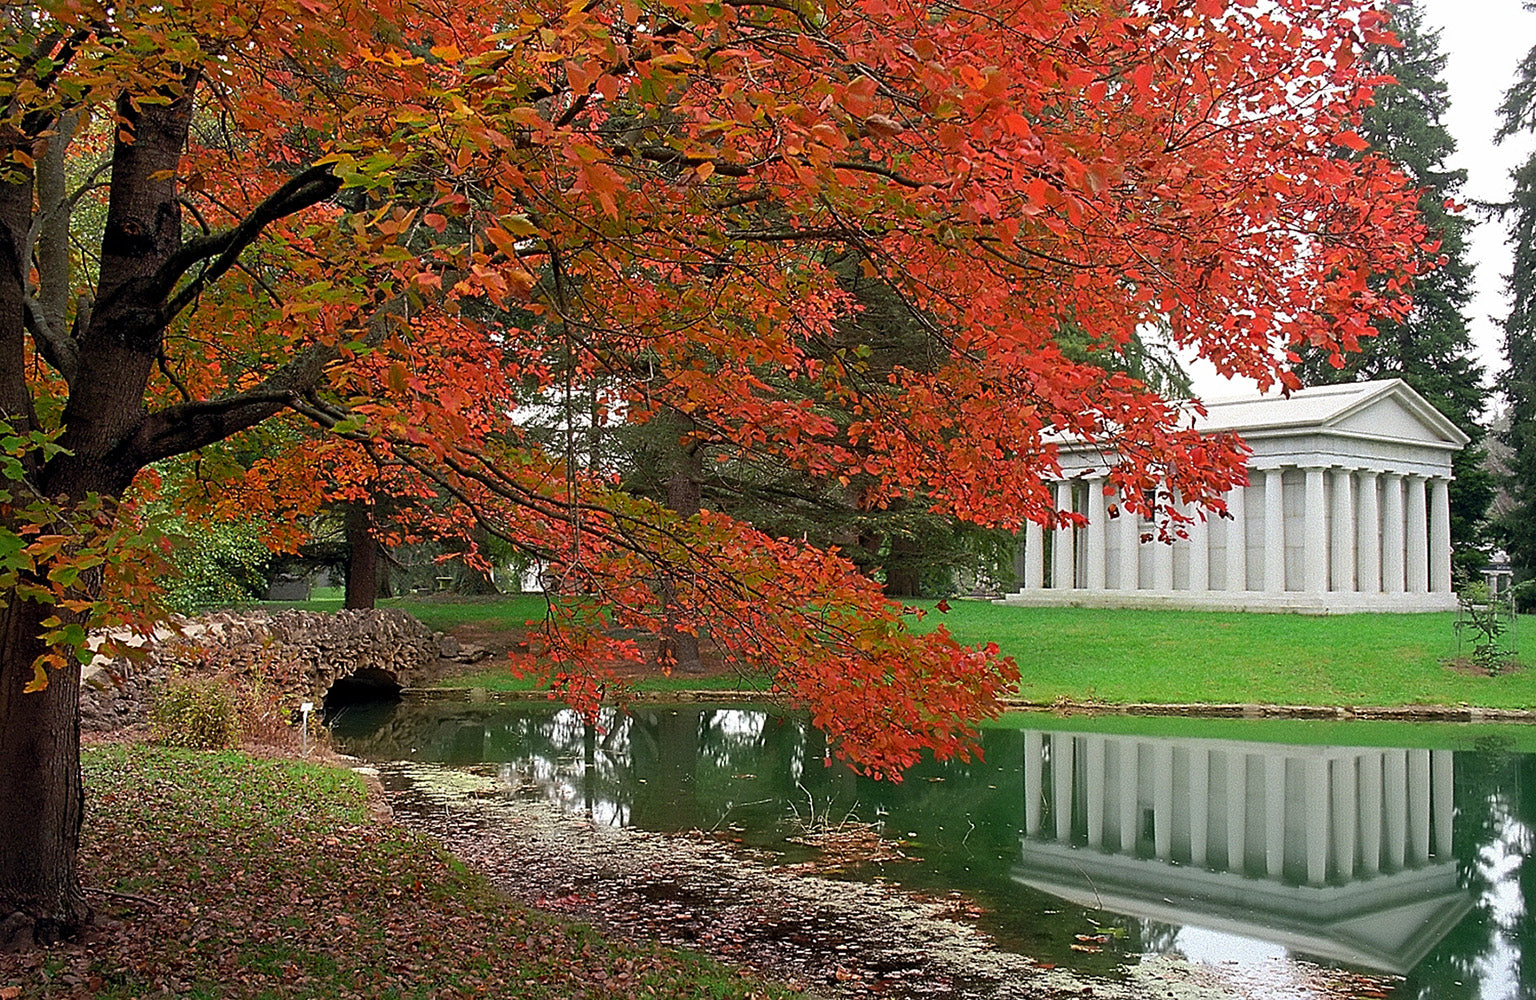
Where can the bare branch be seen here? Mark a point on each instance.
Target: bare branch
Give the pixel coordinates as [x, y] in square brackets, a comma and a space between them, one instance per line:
[186, 427]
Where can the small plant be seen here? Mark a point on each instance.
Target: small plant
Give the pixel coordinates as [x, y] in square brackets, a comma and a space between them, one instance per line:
[1485, 617]
[195, 713]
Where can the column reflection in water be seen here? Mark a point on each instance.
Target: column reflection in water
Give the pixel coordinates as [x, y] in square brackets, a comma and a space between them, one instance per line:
[1343, 853]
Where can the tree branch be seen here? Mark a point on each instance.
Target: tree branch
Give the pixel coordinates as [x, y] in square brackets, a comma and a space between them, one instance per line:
[186, 427]
[224, 248]
[58, 348]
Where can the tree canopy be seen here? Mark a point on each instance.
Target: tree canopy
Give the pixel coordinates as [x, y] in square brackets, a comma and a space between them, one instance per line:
[417, 224]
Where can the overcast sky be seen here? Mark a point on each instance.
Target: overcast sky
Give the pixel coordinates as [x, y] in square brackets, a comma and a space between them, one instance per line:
[1483, 40]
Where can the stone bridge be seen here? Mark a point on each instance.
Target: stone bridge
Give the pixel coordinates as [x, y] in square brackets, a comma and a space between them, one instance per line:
[297, 656]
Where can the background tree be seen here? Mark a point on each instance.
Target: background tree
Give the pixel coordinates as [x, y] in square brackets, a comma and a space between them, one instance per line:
[1517, 383]
[1431, 348]
[642, 194]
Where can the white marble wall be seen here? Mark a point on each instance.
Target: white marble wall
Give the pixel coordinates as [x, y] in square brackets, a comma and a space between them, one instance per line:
[1302, 538]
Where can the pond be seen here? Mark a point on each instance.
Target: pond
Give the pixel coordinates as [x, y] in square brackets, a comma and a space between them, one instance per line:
[1399, 852]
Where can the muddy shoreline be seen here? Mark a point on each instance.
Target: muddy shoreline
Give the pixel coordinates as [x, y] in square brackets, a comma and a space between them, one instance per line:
[834, 939]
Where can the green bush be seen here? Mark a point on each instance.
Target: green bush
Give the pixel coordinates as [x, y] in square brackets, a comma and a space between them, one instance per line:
[196, 713]
[1524, 595]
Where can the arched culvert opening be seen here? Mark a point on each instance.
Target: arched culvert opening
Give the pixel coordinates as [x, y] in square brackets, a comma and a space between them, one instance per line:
[365, 687]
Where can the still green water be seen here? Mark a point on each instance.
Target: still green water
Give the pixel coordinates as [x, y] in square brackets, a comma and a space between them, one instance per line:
[1397, 852]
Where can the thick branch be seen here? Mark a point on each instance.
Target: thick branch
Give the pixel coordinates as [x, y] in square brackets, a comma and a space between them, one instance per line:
[186, 427]
[224, 248]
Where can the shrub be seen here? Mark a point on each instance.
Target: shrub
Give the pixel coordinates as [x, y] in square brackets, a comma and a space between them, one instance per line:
[196, 713]
[1524, 595]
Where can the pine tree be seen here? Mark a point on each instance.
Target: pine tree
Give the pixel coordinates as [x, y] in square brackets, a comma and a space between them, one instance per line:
[1517, 528]
[1431, 349]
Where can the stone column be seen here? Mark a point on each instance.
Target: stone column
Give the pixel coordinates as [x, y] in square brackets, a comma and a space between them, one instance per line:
[1341, 569]
[1314, 552]
[1130, 548]
[1098, 528]
[1416, 538]
[1095, 792]
[1199, 532]
[1368, 536]
[1440, 535]
[1062, 772]
[1034, 556]
[1274, 531]
[1162, 565]
[1392, 533]
[1162, 800]
[1346, 811]
[1442, 790]
[1130, 795]
[1063, 555]
[1316, 796]
[1034, 766]
[1418, 806]
[1370, 812]
[1237, 540]
[1237, 812]
[1274, 815]
[1394, 795]
[1199, 806]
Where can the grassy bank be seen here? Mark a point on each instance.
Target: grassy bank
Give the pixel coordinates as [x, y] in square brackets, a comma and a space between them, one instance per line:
[1176, 656]
[1118, 657]
[234, 877]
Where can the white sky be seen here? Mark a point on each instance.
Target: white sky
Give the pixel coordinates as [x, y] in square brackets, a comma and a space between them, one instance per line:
[1483, 41]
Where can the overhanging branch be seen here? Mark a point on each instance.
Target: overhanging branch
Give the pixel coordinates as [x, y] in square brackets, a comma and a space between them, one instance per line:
[223, 249]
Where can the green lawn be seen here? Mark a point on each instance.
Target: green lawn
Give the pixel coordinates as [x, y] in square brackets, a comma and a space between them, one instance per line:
[229, 876]
[1117, 657]
[1180, 656]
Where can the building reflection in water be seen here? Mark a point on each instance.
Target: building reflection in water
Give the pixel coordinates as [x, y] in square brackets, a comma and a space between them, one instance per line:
[1341, 853]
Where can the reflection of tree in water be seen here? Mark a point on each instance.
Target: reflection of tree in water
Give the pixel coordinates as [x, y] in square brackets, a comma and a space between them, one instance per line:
[1482, 957]
[710, 767]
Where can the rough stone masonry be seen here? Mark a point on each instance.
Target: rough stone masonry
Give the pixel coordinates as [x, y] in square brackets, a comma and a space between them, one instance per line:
[296, 655]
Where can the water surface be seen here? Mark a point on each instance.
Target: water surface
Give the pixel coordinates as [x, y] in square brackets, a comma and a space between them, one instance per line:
[1304, 845]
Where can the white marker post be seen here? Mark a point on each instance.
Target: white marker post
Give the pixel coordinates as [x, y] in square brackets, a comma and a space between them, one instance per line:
[304, 711]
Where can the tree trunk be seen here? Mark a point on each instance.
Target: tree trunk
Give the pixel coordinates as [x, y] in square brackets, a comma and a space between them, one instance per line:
[41, 797]
[903, 575]
[362, 558]
[679, 648]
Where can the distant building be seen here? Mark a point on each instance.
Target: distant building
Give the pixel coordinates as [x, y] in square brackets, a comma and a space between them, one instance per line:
[1347, 508]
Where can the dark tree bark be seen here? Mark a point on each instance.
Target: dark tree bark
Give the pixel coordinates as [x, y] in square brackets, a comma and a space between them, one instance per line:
[41, 798]
[679, 648]
[108, 436]
[362, 558]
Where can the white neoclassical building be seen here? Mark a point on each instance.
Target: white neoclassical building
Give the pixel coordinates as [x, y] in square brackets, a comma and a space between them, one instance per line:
[1347, 508]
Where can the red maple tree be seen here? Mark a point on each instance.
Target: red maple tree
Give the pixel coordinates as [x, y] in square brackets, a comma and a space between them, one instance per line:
[412, 221]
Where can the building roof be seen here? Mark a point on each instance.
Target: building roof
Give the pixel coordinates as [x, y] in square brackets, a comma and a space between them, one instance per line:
[1334, 407]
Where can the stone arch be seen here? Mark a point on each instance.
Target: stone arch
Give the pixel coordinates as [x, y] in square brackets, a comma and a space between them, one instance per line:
[368, 684]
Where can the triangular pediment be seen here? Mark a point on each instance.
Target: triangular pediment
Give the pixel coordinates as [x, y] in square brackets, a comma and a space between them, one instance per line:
[1397, 412]
[1387, 410]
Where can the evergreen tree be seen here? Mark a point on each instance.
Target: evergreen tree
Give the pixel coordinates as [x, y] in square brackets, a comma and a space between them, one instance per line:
[1517, 528]
[1431, 349]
